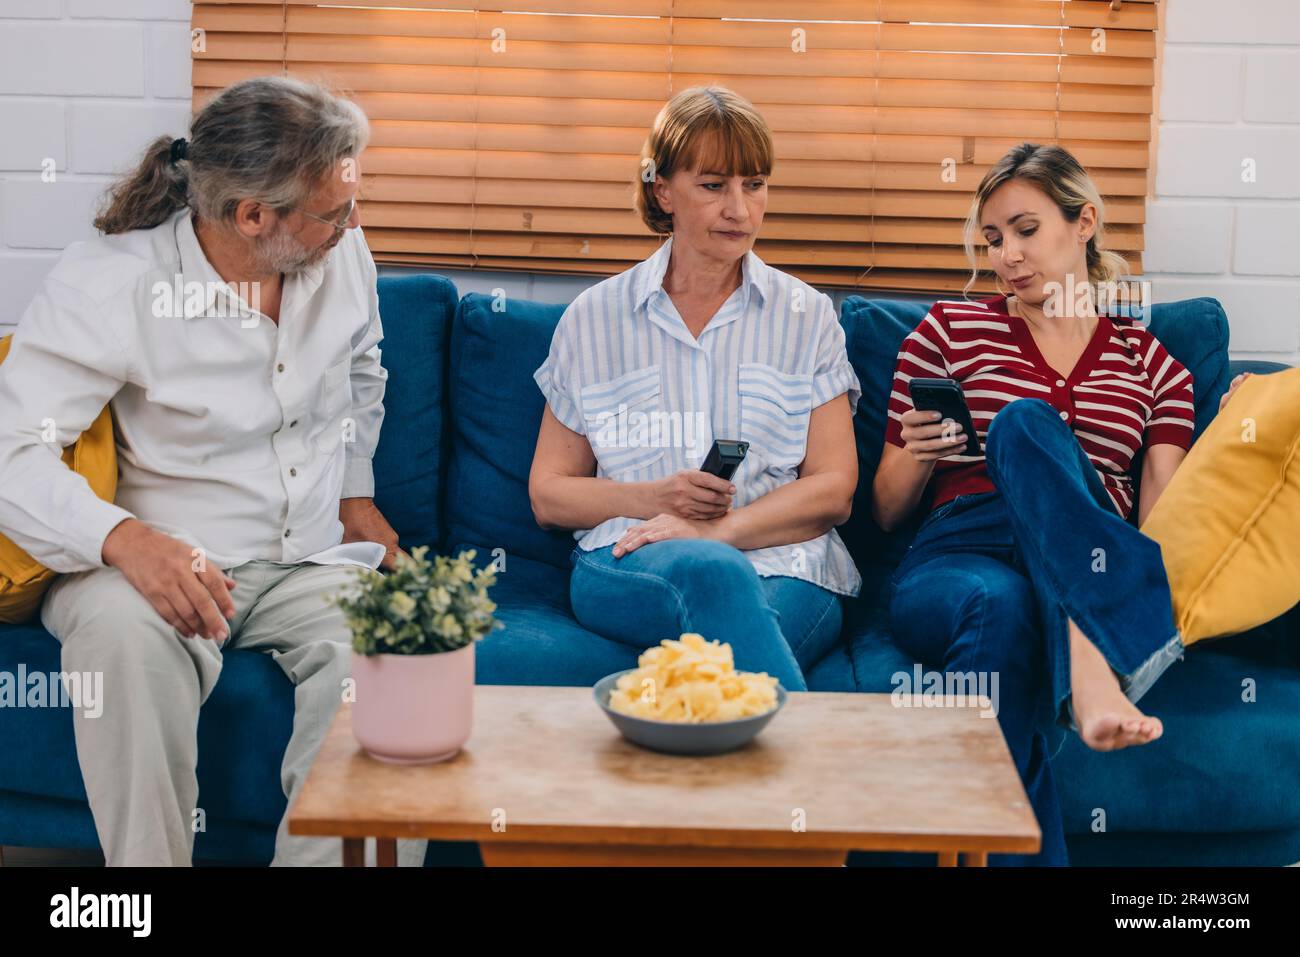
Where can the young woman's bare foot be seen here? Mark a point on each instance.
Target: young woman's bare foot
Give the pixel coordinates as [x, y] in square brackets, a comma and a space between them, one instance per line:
[1107, 720]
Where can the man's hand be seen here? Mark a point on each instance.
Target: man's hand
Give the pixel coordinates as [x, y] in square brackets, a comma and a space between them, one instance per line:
[362, 522]
[161, 568]
[1233, 388]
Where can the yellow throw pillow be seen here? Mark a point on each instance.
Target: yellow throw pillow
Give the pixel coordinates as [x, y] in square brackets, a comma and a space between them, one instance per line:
[1228, 524]
[24, 580]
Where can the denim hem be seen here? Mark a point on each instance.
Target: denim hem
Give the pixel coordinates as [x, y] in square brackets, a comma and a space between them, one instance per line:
[1140, 681]
[1071, 721]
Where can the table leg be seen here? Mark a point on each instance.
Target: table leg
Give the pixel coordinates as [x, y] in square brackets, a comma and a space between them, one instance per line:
[975, 859]
[354, 852]
[947, 858]
[386, 852]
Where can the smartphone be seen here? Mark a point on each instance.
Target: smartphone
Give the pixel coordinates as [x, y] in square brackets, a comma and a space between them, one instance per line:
[945, 397]
[725, 457]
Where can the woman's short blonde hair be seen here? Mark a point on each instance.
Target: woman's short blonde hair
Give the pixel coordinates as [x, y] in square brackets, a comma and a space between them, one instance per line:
[703, 128]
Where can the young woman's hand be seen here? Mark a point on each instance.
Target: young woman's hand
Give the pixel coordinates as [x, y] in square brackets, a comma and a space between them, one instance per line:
[1233, 388]
[693, 495]
[929, 439]
[658, 529]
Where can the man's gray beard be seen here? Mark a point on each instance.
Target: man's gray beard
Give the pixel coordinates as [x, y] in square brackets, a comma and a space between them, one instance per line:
[282, 253]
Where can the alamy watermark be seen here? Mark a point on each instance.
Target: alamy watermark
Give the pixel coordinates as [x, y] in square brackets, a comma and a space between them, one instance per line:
[920, 688]
[624, 429]
[1126, 297]
[53, 689]
[129, 911]
[242, 300]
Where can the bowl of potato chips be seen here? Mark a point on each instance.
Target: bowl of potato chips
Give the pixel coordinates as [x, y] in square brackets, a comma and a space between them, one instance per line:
[686, 697]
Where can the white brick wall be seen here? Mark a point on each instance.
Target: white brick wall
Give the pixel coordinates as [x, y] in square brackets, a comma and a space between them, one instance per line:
[86, 83]
[1230, 105]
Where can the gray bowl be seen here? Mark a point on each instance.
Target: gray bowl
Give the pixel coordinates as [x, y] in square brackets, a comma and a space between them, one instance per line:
[675, 737]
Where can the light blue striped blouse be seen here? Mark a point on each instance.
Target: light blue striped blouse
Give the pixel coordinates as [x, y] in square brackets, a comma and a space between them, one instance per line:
[625, 372]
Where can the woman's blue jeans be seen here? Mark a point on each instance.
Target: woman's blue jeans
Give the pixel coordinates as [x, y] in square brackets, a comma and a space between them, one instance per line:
[991, 578]
[775, 624]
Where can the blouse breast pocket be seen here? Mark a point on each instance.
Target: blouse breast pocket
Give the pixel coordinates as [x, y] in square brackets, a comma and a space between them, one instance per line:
[624, 421]
[775, 407]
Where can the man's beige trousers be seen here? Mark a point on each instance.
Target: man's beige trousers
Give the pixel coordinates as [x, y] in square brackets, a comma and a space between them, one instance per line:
[139, 757]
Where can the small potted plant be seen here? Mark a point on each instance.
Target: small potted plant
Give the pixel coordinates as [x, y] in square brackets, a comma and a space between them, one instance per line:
[413, 635]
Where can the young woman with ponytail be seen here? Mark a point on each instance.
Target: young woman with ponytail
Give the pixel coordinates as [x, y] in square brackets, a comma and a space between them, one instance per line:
[1026, 567]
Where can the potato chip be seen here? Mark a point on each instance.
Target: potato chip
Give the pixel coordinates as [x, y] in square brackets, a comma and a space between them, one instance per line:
[691, 680]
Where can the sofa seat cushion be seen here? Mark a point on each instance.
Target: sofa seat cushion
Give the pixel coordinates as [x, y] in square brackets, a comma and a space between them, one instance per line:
[243, 729]
[541, 643]
[1228, 758]
[1237, 757]
[834, 672]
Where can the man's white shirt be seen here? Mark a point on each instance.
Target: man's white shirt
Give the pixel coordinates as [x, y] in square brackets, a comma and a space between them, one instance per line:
[234, 434]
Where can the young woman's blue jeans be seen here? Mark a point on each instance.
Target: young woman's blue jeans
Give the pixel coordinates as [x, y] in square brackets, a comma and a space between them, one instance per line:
[991, 578]
[775, 624]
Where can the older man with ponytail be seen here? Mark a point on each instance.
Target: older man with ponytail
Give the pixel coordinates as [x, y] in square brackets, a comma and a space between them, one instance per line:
[229, 318]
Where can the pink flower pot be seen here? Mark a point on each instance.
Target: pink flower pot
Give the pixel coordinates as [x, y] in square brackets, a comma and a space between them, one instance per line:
[413, 709]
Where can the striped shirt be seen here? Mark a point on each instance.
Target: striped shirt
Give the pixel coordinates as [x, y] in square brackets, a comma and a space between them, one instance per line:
[625, 372]
[1125, 393]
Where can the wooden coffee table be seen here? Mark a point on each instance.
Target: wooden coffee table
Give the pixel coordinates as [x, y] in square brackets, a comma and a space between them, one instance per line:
[547, 780]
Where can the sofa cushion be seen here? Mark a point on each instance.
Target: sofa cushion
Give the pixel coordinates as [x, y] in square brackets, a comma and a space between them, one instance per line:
[495, 412]
[39, 755]
[874, 330]
[1218, 750]
[1195, 332]
[1236, 566]
[875, 655]
[834, 672]
[1227, 760]
[541, 643]
[243, 727]
[416, 311]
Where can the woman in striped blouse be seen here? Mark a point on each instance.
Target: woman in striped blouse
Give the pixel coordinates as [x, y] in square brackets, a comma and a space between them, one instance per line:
[1043, 584]
[703, 341]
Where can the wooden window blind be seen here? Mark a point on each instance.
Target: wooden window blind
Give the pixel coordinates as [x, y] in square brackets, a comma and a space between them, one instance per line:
[510, 140]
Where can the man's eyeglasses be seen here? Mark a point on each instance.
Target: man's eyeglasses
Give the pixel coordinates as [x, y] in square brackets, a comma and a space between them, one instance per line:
[338, 226]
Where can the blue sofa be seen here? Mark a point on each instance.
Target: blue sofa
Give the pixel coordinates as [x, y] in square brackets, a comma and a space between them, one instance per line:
[1221, 787]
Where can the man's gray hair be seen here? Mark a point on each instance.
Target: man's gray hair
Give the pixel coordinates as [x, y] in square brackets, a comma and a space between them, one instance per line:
[270, 138]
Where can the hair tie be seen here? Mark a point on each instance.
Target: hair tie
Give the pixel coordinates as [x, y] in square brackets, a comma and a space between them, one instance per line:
[180, 150]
